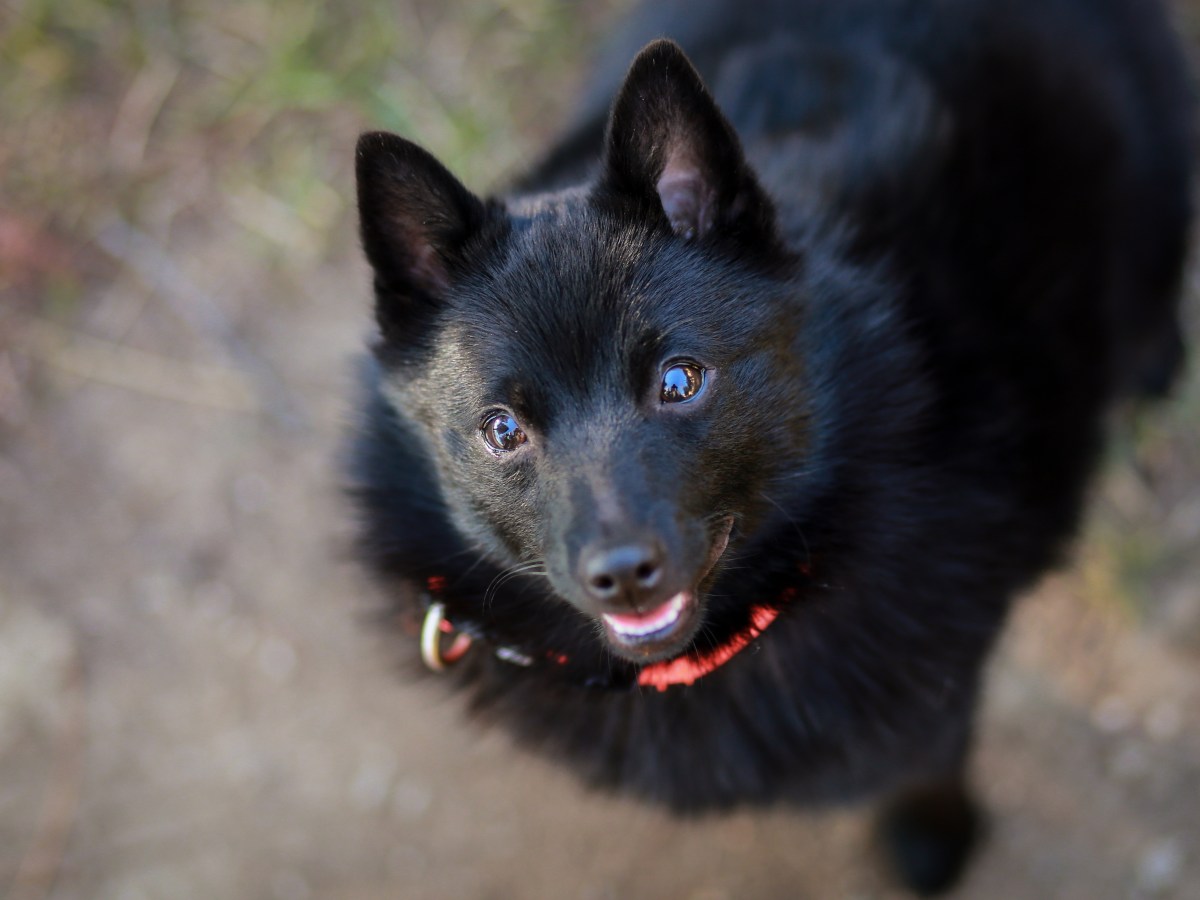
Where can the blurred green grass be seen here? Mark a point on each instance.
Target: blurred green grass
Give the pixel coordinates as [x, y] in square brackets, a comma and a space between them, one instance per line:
[249, 110]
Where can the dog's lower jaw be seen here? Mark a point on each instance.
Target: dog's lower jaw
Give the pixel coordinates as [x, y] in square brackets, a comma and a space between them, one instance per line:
[657, 634]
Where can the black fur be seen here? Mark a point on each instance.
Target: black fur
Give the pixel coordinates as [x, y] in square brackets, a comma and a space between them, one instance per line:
[929, 246]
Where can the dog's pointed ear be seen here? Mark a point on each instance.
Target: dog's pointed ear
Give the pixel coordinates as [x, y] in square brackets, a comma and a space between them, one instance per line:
[415, 218]
[670, 147]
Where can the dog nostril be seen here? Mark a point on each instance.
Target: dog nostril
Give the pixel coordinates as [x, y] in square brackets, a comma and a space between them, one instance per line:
[630, 572]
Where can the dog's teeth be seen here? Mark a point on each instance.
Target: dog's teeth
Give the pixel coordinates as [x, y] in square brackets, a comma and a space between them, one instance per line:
[640, 626]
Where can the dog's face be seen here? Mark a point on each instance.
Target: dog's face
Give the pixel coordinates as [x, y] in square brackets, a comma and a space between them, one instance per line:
[606, 378]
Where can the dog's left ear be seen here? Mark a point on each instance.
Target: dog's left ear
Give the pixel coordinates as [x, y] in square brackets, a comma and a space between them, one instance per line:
[669, 147]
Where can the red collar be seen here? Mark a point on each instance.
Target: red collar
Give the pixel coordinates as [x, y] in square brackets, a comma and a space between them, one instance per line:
[682, 670]
[688, 669]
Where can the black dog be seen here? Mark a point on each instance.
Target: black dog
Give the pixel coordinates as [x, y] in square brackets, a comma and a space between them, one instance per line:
[730, 451]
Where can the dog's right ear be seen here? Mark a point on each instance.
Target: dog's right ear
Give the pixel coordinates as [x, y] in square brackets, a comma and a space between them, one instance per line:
[415, 218]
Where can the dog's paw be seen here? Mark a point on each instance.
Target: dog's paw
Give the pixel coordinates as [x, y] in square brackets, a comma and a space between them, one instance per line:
[928, 835]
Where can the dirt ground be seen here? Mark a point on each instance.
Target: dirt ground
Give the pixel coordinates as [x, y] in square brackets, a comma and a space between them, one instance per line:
[194, 702]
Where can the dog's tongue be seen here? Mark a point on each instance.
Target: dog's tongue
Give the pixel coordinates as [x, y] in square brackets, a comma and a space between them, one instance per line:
[660, 617]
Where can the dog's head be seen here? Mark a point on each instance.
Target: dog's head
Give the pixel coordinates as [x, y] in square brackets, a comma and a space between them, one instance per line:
[606, 377]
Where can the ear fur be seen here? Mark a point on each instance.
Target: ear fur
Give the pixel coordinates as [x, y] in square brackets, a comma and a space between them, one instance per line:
[415, 218]
[669, 147]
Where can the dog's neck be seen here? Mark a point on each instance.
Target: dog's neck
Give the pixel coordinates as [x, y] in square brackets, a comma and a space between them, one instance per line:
[683, 670]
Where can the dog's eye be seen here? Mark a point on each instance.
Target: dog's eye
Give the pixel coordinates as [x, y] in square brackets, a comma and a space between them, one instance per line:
[502, 433]
[681, 382]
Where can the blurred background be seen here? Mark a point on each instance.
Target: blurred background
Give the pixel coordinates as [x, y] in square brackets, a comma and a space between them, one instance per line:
[194, 700]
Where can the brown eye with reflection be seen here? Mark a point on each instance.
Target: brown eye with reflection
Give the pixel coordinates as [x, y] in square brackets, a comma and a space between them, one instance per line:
[502, 433]
[681, 382]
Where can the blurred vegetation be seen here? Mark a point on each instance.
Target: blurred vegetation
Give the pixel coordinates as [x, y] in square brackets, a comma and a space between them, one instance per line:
[1140, 556]
[245, 114]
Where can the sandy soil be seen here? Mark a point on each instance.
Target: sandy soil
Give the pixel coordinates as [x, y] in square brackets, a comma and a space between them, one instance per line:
[194, 702]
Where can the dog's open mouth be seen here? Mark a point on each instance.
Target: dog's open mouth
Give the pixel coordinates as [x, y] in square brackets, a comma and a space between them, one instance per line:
[658, 623]
[666, 629]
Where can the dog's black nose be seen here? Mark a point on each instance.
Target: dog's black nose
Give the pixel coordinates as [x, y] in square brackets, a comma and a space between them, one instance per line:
[622, 574]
